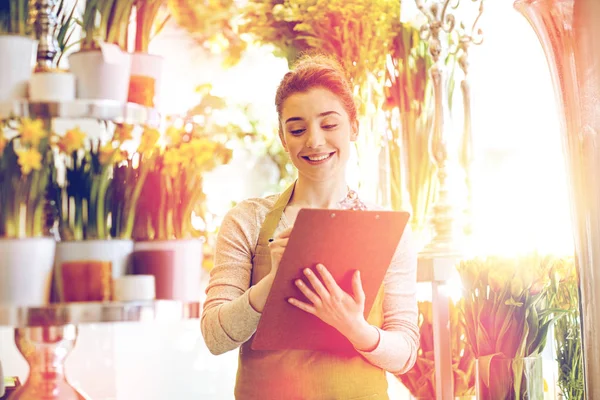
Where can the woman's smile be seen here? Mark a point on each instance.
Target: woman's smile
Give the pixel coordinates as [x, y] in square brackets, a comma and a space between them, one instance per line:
[318, 158]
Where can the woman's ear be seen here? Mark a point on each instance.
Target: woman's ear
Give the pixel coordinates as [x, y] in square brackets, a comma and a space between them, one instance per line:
[282, 138]
[354, 128]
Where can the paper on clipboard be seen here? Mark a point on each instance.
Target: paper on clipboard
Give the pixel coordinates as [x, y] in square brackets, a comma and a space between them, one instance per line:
[343, 241]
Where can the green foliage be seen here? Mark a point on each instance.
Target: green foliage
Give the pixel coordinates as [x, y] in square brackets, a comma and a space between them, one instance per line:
[14, 17]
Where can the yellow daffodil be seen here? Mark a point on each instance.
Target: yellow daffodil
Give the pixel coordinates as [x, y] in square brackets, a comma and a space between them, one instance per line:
[199, 151]
[72, 141]
[30, 160]
[172, 162]
[32, 131]
[149, 139]
[175, 135]
[120, 156]
[123, 133]
[105, 153]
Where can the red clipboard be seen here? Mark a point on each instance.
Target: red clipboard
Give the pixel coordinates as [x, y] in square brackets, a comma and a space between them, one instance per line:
[343, 241]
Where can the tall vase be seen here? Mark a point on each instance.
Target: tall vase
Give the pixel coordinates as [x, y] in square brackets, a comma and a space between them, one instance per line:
[509, 378]
[569, 34]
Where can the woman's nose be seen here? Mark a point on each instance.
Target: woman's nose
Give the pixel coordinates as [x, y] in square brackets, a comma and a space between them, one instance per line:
[315, 138]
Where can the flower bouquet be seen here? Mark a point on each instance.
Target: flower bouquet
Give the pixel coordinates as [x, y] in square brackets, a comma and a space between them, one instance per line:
[507, 307]
[173, 188]
[97, 195]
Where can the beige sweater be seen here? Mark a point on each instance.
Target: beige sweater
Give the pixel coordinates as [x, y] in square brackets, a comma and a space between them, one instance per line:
[228, 319]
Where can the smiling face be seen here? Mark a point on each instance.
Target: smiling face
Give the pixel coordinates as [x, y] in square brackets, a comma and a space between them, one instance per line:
[316, 131]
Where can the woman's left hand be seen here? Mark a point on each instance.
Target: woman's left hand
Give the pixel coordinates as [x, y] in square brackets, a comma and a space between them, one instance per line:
[335, 307]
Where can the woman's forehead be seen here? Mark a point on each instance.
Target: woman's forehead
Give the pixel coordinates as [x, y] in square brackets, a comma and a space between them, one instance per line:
[312, 103]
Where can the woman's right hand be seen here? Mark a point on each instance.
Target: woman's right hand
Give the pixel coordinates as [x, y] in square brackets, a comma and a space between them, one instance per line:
[277, 247]
[259, 292]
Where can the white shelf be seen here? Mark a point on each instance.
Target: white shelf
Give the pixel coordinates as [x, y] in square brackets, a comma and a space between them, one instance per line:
[105, 110]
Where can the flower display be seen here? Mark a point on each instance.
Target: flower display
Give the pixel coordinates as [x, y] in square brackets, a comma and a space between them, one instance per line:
[90, 198]
[173, 188]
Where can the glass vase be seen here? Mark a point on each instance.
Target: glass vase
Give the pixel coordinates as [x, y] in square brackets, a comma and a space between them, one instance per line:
[569, 33]
[509, 378]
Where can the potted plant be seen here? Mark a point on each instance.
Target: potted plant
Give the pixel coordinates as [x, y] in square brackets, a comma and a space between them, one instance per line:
[101, 66]
[26, 249]
[53, 83]
[95, 202]
[146, 69]
[17, 49]
[167, 244]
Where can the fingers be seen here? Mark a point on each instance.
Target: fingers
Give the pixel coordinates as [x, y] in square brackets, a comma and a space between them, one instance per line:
[303, 306]
[310, 295]
[357, 289]
[280, 240]
[278, 243]
[332, 287]
[285, 233]
[317, 284]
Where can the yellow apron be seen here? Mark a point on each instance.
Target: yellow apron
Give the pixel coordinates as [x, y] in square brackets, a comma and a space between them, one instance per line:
[302, 374]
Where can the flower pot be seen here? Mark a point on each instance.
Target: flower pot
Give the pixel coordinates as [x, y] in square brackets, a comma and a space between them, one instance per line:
[26, 270]
[100, 77]
[52, 86]
[18, 54]
[146, 79]
[85, 269]
[509, 378]
[175, 264]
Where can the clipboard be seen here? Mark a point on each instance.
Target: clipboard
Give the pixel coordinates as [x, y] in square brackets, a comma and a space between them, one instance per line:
[343, 241]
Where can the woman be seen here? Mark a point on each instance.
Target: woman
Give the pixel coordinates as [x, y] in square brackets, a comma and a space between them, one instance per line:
[317, 123]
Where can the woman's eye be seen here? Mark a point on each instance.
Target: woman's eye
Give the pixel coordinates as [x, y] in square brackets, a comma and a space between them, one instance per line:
[296, 131]
[332, 126]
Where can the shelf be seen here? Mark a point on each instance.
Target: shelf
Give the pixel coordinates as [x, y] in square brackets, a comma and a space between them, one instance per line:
[97, 312]
[105, 110]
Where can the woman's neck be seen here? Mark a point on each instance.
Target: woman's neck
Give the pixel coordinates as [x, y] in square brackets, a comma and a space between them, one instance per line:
[310, 194]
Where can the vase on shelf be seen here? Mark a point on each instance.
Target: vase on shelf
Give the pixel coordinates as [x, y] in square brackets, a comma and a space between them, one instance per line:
[176, 266]
[568, 31]
[18, 57]
[509, 378]
[26, 270]
[85, 269]
[101, 75]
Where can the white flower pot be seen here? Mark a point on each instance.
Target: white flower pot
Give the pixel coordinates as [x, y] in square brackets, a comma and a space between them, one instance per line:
[146, 79]
[18, 54]
[175, 264]
[115, 253]
[101, 78]
[52, 86]
[26, 270]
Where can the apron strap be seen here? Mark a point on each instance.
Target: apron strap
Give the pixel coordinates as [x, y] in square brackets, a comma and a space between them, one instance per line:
[274, 216]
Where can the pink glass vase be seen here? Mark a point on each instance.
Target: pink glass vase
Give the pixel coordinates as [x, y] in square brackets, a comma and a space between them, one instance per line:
[569, 32]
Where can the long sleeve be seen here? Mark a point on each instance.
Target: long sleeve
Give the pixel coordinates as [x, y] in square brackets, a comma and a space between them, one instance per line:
[396, 351]
[228, 319]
